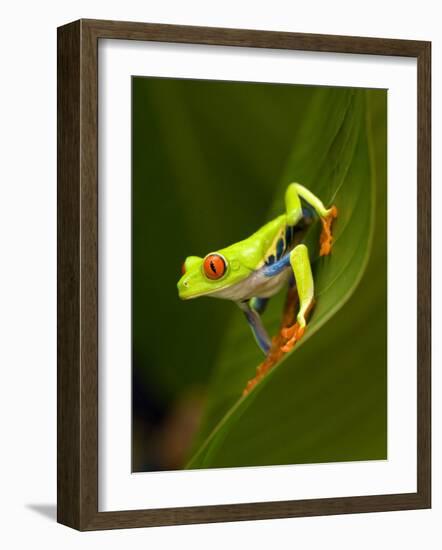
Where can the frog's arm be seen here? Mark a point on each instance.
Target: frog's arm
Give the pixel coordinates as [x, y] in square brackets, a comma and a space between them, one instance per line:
[254, 320]
[302, 270]
[298, 258]
[294, 192]
[299, 261]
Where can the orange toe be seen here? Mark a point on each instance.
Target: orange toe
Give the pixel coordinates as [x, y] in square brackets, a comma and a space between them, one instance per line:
[326, 237]
[288, 332]
[293, 335]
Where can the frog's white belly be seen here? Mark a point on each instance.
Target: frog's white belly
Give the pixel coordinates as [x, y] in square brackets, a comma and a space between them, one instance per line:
[256, 285]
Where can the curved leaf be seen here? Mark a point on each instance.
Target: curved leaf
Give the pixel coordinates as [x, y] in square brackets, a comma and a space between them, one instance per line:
[317, 404]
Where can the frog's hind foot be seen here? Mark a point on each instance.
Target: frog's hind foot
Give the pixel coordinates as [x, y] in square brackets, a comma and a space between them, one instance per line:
[276, 352]
[282, 343]
[326, 238]
[269, 362]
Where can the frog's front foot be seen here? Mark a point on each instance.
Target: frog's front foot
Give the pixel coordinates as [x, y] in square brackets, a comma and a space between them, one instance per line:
[291, 335]
[326, 238]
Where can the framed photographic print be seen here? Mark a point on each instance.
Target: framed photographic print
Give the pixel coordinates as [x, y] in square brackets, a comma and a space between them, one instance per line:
[243, 274]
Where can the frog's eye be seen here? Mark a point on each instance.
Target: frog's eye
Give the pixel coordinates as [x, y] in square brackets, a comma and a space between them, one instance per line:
[214, 266]
[183, 268]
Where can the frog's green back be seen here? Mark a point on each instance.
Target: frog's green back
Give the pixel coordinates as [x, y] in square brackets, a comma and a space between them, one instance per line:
[252, 252]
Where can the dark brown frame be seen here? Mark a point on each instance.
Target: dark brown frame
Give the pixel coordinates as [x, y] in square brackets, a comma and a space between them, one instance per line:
[78, 269]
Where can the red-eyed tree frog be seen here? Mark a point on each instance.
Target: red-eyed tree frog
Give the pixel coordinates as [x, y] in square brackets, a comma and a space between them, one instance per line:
[250, 271]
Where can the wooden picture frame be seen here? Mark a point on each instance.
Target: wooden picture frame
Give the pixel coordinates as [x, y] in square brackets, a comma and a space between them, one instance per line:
[78, 273]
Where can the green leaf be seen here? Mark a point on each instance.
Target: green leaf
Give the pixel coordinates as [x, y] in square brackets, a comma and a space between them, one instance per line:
[203, 152]
[326, 400]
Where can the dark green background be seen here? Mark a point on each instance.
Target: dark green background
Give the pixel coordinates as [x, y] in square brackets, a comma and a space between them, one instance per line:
[207, 159]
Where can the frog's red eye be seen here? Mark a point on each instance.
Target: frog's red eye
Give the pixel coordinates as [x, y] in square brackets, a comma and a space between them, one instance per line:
[183, 268]
[214, 266]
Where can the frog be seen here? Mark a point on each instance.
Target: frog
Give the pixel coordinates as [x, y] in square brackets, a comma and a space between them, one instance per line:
[256, 268]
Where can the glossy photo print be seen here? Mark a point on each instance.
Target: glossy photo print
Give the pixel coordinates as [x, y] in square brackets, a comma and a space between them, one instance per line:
[259, 274]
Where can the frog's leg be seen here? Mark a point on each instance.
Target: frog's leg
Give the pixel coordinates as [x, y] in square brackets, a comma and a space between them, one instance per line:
[259, 304]
[255, 322]
[327, 215]
[300, 263]
[278, 341]
[293, 206]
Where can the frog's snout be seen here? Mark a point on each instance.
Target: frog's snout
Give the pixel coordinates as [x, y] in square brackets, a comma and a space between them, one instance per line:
[183, 288]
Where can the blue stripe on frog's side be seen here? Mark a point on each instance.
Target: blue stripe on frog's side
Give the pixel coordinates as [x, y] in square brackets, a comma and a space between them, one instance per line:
[277, 267]
[285, 245]
[282, 244]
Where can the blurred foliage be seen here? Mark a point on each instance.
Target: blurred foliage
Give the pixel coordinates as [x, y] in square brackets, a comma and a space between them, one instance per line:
[210, 164]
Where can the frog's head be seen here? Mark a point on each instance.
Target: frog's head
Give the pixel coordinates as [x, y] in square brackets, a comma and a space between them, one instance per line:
[205, 276]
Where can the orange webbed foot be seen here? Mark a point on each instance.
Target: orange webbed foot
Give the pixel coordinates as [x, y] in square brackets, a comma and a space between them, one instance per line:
[292, 335]
[276, 352]
[270, 361]
[326, 237]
